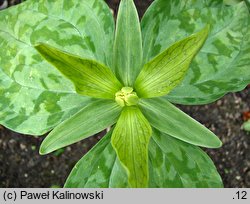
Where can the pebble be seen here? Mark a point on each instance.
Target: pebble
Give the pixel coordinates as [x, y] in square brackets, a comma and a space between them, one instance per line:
[22, 146]
[238, 177]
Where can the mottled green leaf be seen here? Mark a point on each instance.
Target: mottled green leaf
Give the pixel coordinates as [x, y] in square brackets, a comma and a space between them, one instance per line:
[162, 74]
[221, 66]
[35, 97]
[176, 164]
[35, 110]
[155, 20]
[89, 77]
[167, 118]
[99, 168]
[90, 120]
[128, 44]
[130, 140]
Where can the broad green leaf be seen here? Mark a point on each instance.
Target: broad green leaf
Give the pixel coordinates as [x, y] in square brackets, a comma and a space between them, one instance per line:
[153, 31]
[128, 44]
[89, 77]
[221, 66]
[167, 118]
[156, 18]
[99, 168]
[130, 140]
[176, 164]
[31, 90]
[159, 76]
[90, 120]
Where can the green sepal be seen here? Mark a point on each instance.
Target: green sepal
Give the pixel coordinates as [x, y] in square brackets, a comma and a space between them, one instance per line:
[169, 119]
[128, 44]
[130, 139]
[159, 76]
[89, 77]
[90, 120]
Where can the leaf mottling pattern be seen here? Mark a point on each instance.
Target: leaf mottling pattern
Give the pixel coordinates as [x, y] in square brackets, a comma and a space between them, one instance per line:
[158, 27]
[105, 169]
[33, 93]
[172, 164]
[221, 66]
[23, 108]
[176, 164]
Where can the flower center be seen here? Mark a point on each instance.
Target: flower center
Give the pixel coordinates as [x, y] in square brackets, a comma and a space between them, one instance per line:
[126, 97]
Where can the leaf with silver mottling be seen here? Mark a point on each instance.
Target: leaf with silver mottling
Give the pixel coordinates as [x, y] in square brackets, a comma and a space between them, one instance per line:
[35, 97]
[176, 164]
[221, 66]
[172, 164]
[105, 170]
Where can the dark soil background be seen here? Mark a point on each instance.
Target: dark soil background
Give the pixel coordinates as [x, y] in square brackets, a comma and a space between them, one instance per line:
[22, 166]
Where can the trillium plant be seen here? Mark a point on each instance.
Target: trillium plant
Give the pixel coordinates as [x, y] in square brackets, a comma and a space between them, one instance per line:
[66, 67]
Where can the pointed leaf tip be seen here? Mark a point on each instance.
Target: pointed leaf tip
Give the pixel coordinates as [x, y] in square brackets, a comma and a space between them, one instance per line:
[42, 150]
[130, 139]
[159, 76]
[222, 65]
[169, 119]
[90, 120]
[89, 77]
[127, 55]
